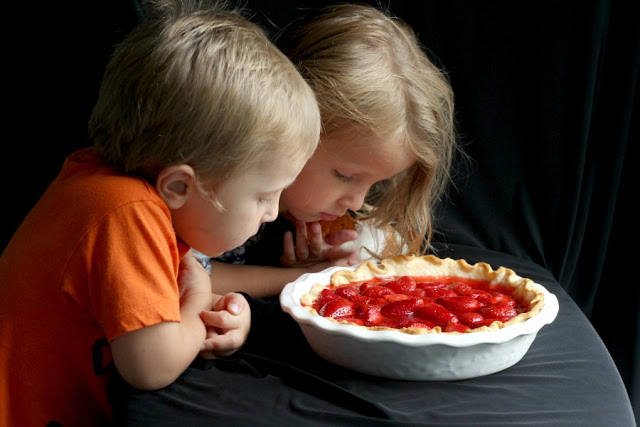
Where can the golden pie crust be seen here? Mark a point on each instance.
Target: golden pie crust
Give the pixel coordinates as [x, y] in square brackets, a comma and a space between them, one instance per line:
[522, 289]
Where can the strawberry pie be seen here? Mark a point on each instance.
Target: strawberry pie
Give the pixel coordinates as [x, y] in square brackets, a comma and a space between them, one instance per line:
[419, 295]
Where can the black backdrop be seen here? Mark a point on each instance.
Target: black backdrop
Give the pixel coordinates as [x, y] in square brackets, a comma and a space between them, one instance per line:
[547, 105]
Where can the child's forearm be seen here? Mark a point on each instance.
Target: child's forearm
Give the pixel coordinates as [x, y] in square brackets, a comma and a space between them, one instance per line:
[256, 280]
[154, 356]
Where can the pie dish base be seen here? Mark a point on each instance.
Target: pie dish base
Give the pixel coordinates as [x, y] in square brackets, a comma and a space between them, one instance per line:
[426, 357]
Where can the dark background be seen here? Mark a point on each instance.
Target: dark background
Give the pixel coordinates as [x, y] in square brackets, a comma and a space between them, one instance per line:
[547, 107]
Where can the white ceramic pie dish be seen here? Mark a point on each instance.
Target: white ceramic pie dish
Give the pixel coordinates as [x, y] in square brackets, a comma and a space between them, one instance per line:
[398, 355]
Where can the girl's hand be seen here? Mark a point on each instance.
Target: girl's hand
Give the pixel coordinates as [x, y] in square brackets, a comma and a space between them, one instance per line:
[228, 325]
[313, 249]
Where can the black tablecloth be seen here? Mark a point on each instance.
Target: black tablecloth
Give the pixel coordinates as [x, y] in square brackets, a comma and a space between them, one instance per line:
[566, 378]
[545, 103]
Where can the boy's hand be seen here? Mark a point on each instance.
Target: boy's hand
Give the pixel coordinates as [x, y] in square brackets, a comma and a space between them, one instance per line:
[313, 249]
[228, 325]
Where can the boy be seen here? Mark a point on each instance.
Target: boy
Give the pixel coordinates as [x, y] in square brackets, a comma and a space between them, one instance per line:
[199, 125]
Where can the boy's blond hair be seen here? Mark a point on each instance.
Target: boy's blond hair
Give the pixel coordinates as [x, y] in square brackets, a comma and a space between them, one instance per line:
[370, 74]
[205, 87]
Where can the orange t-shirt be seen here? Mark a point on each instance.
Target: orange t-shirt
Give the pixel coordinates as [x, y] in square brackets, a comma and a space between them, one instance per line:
[97, 257]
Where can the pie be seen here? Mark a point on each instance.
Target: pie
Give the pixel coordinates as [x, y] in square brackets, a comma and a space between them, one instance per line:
[426, 294]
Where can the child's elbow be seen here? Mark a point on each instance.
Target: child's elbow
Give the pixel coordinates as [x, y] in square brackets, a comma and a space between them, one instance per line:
[149, 381]
[143, 359]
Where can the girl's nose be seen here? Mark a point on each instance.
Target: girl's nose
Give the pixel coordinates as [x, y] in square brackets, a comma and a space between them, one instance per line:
[353, 200]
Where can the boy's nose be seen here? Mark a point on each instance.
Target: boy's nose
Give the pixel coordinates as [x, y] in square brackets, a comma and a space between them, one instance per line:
[271, 214]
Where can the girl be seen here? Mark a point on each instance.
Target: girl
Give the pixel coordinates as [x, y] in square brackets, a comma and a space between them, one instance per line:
[385, 152]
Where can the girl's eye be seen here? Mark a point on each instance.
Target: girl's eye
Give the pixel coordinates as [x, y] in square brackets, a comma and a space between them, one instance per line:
[266, 201]
[342, 177]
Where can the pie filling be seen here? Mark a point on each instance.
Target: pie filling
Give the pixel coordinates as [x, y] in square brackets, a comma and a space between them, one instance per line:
[478, 298]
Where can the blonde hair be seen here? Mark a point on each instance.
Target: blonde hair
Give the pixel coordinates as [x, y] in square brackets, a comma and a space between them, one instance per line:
[369, 72]
[205, 87]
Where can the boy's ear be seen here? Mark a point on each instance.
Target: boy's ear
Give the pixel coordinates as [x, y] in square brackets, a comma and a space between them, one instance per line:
[175, 184]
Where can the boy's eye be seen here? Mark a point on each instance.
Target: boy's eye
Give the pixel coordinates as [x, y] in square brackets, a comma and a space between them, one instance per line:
[265, 201]
[342, 177]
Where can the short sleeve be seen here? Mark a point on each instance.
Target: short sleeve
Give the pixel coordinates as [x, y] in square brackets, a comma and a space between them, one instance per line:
[133, 261]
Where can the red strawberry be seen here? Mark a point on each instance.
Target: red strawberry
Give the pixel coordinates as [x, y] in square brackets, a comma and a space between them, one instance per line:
[483, 296]
[417, 292]
[378, 301]
[376, 291]
[396, 297]
[339, 307]
[439, 292]
[370, 315]
[426, 300]
[403, 308]
[460, 304]
[360, 299]
[347, 292]
[402, 284]
[460, 288]
[430, 285]
[436, 313]
[365, 285]
[472, 320]
[501, 311]
[326, 295]
[422, 323]
[409, 322]
[455, 327]
[466, 290]
[498, 298]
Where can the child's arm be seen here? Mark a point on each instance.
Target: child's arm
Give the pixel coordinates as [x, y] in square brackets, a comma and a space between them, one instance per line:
[256, 280]
[306, 257]
[154, 356]
[228, 326]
